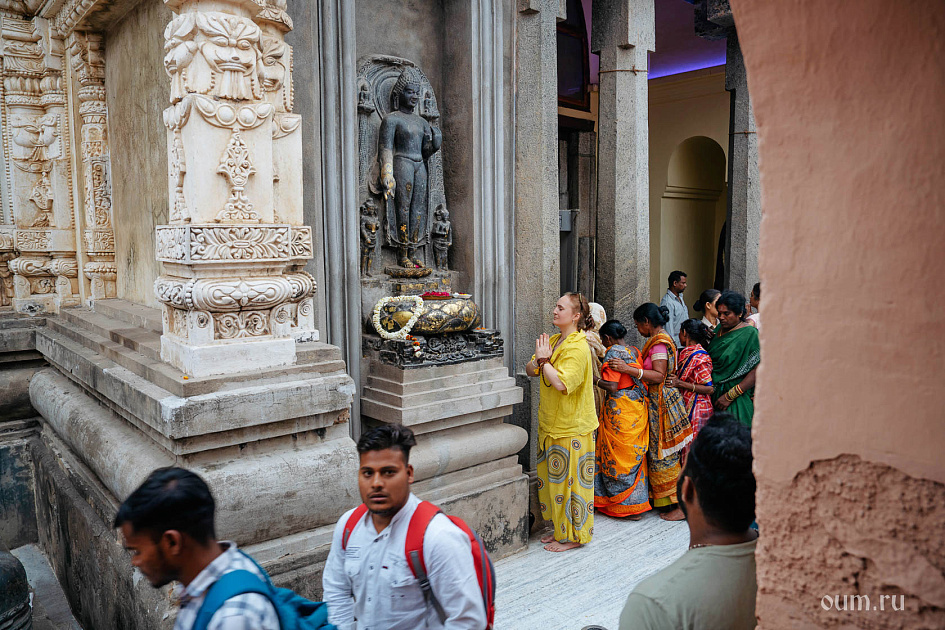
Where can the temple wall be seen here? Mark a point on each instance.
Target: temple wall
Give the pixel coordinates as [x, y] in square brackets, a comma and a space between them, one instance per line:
[681, 107]
[848, 422]
[134, 54]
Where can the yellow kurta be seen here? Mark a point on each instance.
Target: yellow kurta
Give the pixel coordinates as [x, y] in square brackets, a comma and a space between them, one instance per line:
[566, 414]
[566, 422]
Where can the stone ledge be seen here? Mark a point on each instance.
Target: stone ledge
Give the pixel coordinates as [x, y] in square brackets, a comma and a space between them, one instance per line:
[119, 343]
[264, 490]
[261, 403]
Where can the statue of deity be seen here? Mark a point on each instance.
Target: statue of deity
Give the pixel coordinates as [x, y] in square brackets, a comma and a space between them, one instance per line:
[405, 143]
[442, 236]
[369, 228]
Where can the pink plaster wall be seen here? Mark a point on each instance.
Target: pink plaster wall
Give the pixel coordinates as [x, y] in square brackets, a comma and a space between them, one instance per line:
[849, 423]
[849, 99]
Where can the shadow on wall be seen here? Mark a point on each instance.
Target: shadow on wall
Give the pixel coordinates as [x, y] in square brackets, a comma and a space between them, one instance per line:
[692, 212]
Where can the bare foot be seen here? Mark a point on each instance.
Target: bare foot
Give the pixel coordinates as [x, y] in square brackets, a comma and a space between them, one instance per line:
[673, 515]
[556, 546]
[547, 538]
[634, 517]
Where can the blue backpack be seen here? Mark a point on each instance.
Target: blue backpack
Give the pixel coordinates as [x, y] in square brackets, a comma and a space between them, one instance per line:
[295, 612]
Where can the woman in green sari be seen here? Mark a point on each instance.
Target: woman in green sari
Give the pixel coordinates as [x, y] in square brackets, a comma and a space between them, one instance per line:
[735, 353]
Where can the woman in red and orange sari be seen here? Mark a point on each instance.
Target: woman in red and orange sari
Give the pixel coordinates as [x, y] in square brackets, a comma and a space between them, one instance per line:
[670, 430]
[620, 487]
[694, 379]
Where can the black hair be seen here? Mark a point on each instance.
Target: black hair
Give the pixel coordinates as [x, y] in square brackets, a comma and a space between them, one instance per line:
[706, 297]
[395, 436]
[697, 331]
[719, 464]
[756, 290]
[649, 312]
[733, 301]
[613, 329]
[170, 498]
[676, 276]
[586, 322]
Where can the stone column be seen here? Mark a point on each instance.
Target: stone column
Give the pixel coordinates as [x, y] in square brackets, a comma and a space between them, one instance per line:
[234, 295]
[88, 63]
[623, 33]
[537, 264]
[36, 148]
[743, 233]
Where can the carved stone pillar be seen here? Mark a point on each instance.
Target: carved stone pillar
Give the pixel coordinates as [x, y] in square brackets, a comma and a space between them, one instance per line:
[235, 297]
[36, 147]
[88, 63]
[623, 33]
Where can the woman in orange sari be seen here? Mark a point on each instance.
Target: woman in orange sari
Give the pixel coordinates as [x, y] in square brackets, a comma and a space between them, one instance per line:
[620, 487]
[670, 430]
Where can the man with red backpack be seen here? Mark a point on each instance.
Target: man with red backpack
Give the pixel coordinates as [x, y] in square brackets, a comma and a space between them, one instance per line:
[398, 563]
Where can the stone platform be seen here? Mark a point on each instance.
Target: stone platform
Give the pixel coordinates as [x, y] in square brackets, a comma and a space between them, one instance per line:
[465, 458]
[272, 443]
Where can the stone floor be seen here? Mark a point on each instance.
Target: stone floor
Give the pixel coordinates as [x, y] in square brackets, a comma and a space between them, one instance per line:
[50, 608]
[539, 590]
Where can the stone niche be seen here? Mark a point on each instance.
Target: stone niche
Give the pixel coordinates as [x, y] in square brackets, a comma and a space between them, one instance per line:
[417, 216]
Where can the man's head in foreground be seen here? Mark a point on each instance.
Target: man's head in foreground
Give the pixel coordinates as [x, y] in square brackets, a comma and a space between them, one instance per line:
[717, 487]
[385, 474]
[165, 521]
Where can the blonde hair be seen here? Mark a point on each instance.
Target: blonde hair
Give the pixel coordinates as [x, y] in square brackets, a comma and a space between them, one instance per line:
[585, 322]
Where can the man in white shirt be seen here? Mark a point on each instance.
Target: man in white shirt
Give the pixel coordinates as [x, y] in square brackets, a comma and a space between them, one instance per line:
[167, 525]
[673, 300]
[367, 582]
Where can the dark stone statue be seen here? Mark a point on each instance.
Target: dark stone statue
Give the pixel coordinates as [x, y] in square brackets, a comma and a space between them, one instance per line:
[442, 237]
[369, 227]
[405, 143]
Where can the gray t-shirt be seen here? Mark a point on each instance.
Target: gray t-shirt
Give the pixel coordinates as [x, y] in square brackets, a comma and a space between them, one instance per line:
[678, 313]
[708, 587]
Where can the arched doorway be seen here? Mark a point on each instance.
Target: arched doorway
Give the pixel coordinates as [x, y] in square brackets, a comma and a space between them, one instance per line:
[692, 213]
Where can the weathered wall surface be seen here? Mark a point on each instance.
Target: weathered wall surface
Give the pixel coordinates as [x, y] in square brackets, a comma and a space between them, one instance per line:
[848, 425]
[137, 91]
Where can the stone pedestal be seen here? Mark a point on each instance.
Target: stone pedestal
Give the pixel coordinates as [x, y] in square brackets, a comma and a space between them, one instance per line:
[465, 458]
[272, 444]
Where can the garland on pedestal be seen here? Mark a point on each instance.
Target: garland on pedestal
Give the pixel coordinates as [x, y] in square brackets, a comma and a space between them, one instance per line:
[405, 330]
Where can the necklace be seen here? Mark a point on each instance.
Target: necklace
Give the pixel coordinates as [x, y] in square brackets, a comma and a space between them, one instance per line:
[701, 545]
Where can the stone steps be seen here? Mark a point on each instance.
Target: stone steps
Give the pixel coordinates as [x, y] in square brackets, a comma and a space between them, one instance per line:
[239, 413]
[429, 400]
[438, 391]
[130, 313]
[138, 349]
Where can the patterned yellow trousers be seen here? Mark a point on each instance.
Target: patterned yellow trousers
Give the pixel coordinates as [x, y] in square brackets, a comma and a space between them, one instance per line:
[565, 470]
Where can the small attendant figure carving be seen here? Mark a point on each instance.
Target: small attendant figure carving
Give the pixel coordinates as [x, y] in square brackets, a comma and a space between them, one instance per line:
[442, 235]
[369, 227]
[365, 101]
[429, 107]
[405, 143]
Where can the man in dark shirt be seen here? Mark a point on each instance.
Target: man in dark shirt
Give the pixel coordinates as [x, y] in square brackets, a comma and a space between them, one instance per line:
[713, 584]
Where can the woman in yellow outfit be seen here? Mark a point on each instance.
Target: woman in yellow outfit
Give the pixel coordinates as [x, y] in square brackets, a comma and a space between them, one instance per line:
[566, 423]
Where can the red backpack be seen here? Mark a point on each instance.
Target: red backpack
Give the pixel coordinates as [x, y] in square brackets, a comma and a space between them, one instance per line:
[413, 549]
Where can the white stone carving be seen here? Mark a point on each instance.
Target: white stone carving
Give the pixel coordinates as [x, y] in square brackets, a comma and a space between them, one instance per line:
[237, 166]
[240, 243]
[235, 239]
[243, 324]
[33, 240]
